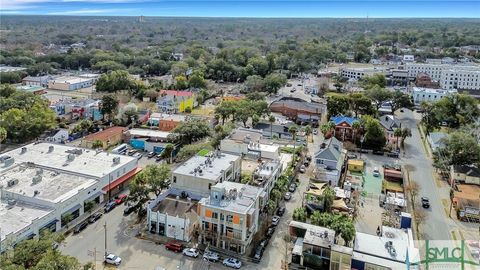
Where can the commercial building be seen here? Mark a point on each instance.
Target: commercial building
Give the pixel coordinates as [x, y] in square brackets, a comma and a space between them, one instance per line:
[166, 122]
[108, 137]
[41, 81]
[173, 215]
[173, 101]
[450, 76]
[70, 83]
[44, 185]
[429, 95]
[249, 142]
[230, 216]
[198, 174]
[299, 110]
[358, 73]
[149, 140]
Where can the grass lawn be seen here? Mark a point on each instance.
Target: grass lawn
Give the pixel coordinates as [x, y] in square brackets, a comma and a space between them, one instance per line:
[203, 152]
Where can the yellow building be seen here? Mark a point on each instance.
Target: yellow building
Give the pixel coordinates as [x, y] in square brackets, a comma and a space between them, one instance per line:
[356, 165]
[172, 101]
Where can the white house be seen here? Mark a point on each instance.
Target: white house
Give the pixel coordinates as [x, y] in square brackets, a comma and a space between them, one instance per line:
[429, 94]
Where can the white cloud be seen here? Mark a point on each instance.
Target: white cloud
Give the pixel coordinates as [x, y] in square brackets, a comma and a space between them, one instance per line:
[29, 4]
[86, 11]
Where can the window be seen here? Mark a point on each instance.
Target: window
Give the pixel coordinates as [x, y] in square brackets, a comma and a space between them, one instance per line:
[215, 215]
[229, 218]
[174, 179]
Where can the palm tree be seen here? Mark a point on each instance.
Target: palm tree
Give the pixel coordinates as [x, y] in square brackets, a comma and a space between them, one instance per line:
[324, 128]
[355, 127]
[271, 119]
[406, 132]
[168, 151]
[307, 130]
[397, 133]
[293, 130]
[331, 126]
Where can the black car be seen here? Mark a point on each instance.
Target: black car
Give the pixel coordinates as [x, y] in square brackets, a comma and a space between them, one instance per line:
[393, 154]
[258, 253]
[110, 206]
[270, 231]
[80, 227]
[378, 152]
[425, 202]
[94, 217]
[281, 211]
[129, 209]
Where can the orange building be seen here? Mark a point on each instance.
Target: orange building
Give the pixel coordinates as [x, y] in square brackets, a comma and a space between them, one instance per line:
[108, 137]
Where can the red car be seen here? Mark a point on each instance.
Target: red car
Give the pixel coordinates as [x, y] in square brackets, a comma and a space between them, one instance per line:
[174, 246]
[120, 199]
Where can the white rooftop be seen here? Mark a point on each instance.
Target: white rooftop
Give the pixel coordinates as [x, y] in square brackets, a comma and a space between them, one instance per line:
[434, 91]
[19, 216]
[84, 161]
[140, 132]
[243, 202]
[71, 79]
[378, 245]
[212, 170]
[268, 168]
[43, 184]
[168, 117]
[315, 235]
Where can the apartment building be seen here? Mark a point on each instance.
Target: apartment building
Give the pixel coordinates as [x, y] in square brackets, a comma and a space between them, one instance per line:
[429, 95]
[358, 73]
[230, 216]
[450, 76]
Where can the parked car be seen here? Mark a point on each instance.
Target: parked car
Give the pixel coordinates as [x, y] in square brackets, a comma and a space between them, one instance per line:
[293, 90]
[281, 211]
[270, 231]
[287, 196]
[158, 158]
[113, 259]
[232, 262]
[292, 187]
[211, 256]
[306, 163]
[425, 202]
[96, 216]
[258, 253]
[131, 152]
[393, 154]
[191, 252]
[376, 172]
[311, 186]
[151, 154]
[128, 210]
[351, 156]
[110, 206]
[120, 199]
[315, 132]
[174, 246]
[275, 220]
[80, 227]
[309, 158]
[378, 152]
[303, 169]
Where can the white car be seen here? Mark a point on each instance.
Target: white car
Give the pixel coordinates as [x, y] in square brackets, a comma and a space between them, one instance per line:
[275, 220]
[211, 256]
[191, 252]
[232, 262]
[113, 259]
[376, 172]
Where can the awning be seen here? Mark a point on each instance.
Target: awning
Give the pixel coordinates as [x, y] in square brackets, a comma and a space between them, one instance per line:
[50, 223]
[73, 209]
[95, 195]
[122, 179]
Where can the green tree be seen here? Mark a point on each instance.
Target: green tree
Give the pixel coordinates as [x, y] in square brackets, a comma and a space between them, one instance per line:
[374, 80]
[109, 105]
[179, 69]
[459, 148]
[328, 196]
[273, 82]
[167, 152]
[299, 214]
[190, 131]
[3, 134]
[190, 150]
[255, 119]
[355, 128]
[115, 81]
[378, 95]
[361, 104]
[54, 260]
[196, 80]
[106, 66]
[373, 133]
[156, 177]
[97, 144]
[429, 117]
[181, 82]
[337, 105]
[401, 100]
[457, 110]
[271, 120]
[398, 134]
[406, 132]
[6, 90]
[254, 83]
[293, 129]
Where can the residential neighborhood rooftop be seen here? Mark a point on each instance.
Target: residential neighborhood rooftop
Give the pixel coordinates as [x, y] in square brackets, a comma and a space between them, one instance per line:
[210, 167]
[242, 202]
[105, 134]
[151, 133]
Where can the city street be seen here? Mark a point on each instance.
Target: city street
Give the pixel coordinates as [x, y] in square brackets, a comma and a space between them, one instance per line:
[437, 225]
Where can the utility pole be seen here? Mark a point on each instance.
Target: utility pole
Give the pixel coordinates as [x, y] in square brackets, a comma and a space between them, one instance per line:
[95, 258]
[105, 227]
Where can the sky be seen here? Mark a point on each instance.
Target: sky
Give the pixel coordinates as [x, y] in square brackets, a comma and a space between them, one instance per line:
[247, 8]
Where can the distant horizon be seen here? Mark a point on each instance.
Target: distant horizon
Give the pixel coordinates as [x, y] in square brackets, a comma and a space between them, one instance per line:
[311, 9]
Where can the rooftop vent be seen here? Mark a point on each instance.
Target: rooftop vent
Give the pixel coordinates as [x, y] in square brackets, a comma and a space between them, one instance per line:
[35, 193]
[70, 157]
[24, 150]
[8, 161]
[116, 160]
[36, 179]
[12, 182]
[50, 148]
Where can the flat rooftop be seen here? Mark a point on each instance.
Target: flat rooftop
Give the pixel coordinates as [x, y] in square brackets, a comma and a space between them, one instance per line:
[19, 216]
[168, 117]
[240, 203]
[315, 235]
[83, 161]
[210, 165]
[44, 184]
[71, 79]
[433, 90]
[140, 132]
[377, 245]
[175, 207]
